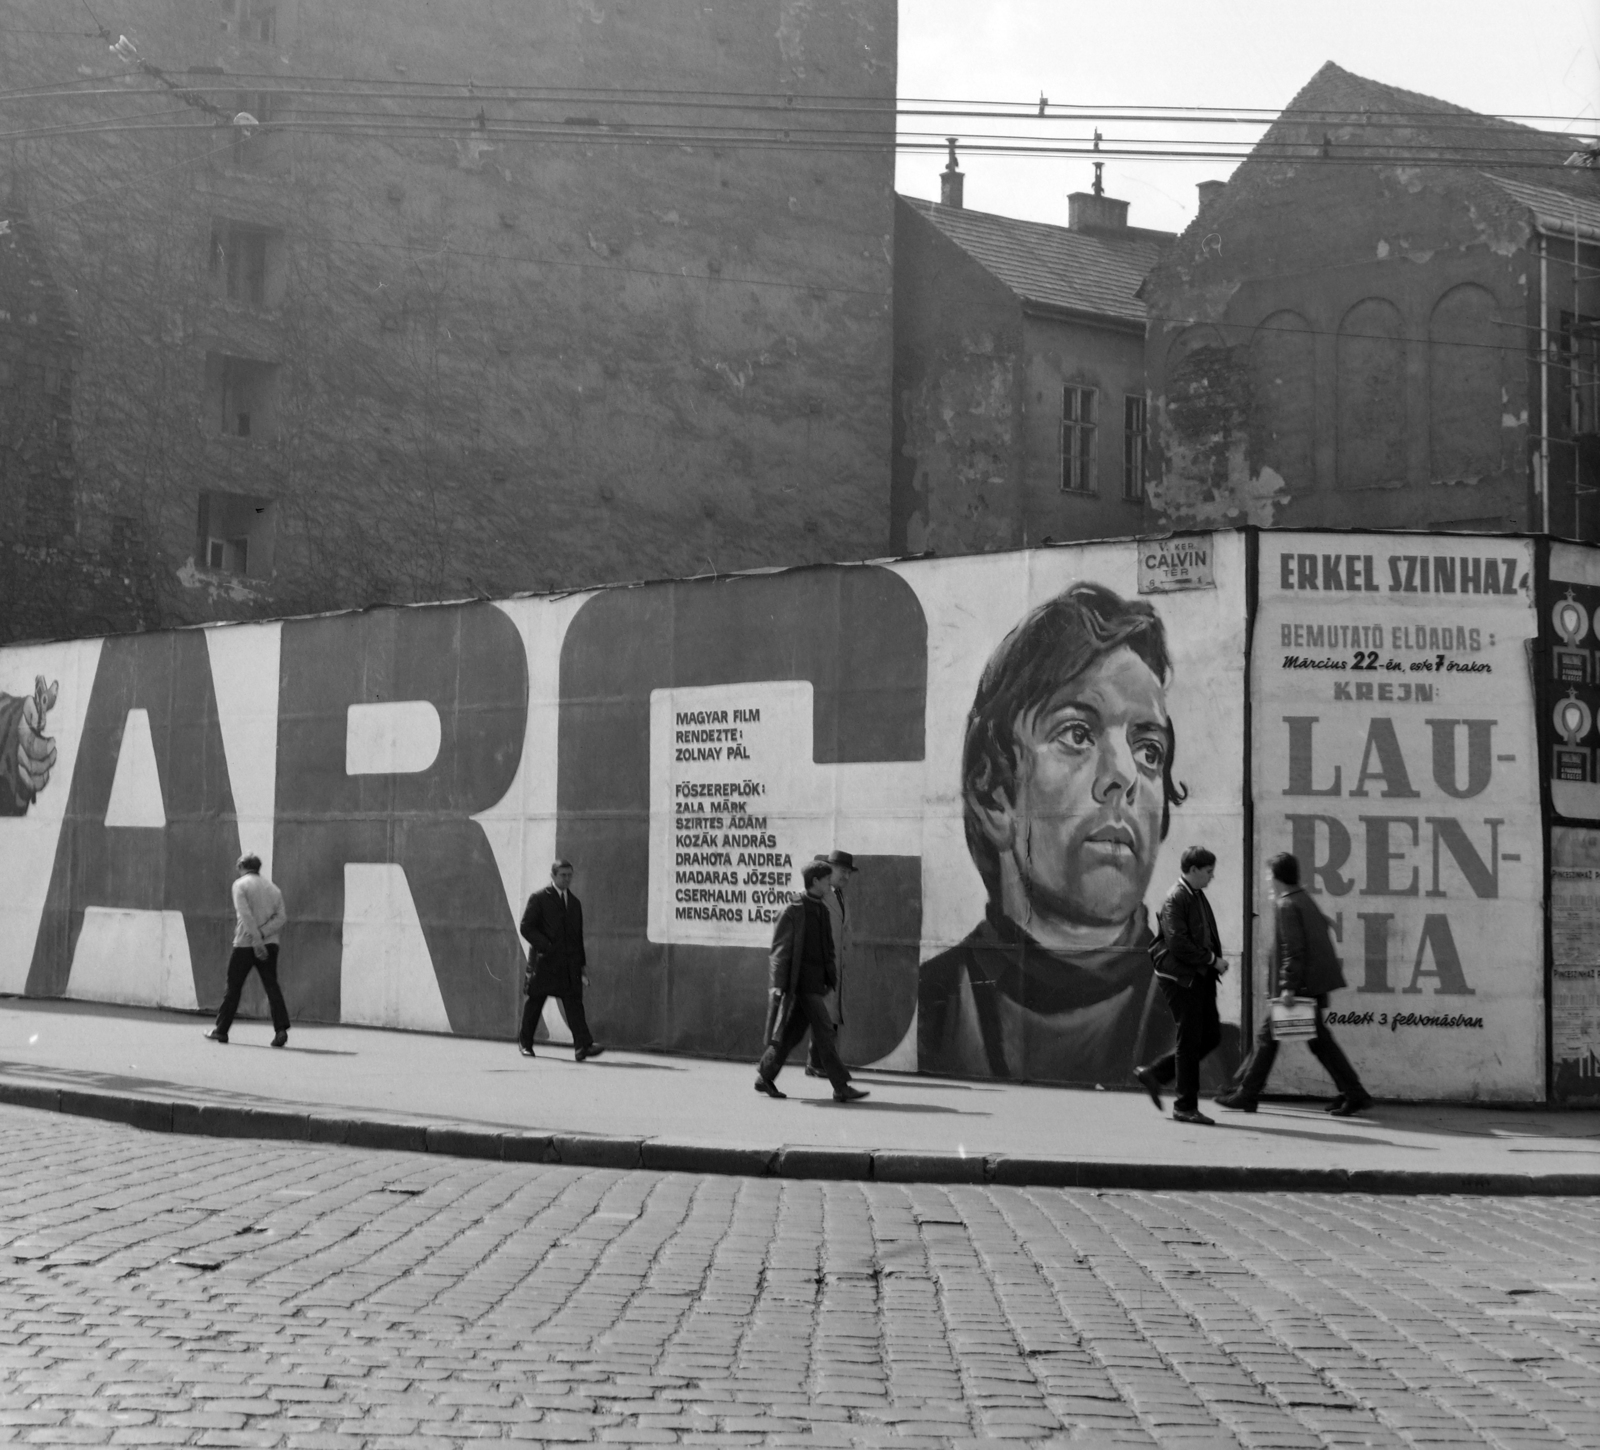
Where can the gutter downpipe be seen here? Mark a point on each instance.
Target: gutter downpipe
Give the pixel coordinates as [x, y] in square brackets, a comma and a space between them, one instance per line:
[1544, 382]
[1576, 385]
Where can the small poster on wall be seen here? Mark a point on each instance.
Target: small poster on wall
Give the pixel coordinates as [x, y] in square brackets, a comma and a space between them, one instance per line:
[1574, 963]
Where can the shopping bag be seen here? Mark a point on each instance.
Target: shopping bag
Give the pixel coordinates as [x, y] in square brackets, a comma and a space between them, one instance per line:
[1295, 1019]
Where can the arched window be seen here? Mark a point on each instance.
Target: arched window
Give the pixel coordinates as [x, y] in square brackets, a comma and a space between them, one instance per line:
[1464, 372]
[1371, 396]
[1283, 399]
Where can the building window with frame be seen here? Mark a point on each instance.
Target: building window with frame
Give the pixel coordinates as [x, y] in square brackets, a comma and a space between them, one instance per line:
[1133, 446]
[1580, 346]
[1079, 420]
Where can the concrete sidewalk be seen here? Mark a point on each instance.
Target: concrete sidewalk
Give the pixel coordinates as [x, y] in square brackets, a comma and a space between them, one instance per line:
[480, 1099]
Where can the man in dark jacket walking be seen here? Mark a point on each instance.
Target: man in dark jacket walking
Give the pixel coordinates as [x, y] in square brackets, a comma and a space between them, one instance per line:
[552, 926]
[802, 973]
[1188, 959]
[1304, 964]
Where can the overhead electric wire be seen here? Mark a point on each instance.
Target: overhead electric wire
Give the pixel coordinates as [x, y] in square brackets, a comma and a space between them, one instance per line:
[209, 82]
[392, 126]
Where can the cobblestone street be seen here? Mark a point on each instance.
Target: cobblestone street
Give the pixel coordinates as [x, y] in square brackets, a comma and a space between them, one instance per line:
[158, 1289]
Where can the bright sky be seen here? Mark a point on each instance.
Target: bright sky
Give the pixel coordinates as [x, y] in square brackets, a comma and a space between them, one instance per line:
[1528, 58]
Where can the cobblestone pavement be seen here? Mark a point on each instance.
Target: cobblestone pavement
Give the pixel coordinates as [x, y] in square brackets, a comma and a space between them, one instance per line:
[163, 1290]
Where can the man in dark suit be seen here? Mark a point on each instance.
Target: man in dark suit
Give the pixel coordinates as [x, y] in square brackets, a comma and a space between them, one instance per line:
[1188, 959]
[1304, 964]
[552, 926]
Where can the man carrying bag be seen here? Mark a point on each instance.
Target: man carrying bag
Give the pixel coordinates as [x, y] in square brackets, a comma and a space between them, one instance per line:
[1304, 964]
[802, 973]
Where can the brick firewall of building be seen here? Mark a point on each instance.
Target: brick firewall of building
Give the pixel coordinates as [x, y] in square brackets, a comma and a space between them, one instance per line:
[430, 344]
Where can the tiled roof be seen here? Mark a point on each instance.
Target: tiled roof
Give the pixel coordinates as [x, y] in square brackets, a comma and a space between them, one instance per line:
[1391, 126]
[1555, 209]
[1092, 272]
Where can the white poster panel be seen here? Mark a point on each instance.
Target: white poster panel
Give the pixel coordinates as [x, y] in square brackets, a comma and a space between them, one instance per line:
[1396, 758]
[738, 806]
[44, 692]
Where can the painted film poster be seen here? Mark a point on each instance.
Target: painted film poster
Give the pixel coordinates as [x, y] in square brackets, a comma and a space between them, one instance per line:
[1015, 748]
[1396, 758]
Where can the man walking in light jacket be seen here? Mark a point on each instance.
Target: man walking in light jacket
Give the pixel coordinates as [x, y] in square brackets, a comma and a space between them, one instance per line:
[258, 905]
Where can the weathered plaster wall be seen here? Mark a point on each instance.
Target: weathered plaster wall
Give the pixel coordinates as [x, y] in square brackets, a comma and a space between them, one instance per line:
[1337, 345]
[1062, 352]
[960, 374]
[55, 548]
[502, 364]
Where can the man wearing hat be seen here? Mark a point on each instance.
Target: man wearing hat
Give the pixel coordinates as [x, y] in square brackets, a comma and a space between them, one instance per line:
[842, 866]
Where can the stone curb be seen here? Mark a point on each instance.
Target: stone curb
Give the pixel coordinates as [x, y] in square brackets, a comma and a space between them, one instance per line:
[594, 1150]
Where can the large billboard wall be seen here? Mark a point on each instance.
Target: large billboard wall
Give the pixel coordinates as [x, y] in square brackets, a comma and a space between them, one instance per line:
[1396, 756]
[1015, 748]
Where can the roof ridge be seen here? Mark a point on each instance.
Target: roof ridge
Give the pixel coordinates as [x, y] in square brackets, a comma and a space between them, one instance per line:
[1089, 272]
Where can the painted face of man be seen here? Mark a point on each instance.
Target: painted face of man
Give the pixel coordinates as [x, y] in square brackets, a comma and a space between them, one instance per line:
[1083, 825]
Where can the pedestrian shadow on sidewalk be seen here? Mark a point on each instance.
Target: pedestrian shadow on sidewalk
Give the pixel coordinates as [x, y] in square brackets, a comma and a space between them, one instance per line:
[1341, 1138]
[883, 1107]
[292, 1047]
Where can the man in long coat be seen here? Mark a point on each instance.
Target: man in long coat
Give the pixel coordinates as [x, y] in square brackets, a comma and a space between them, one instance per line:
[801, 970]
[552, 926]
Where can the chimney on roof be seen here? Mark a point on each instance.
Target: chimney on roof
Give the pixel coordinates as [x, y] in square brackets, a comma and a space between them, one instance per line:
[951, 181]
[1087, 212]
[1210, 191]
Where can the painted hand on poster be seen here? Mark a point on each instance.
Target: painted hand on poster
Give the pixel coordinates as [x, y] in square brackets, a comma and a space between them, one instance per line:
[27, 754]
[1068, 790]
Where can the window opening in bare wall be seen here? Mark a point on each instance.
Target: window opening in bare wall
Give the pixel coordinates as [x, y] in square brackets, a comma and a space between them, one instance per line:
[1133, 436]
[242, 396]
[249, 19]
[245, 263]
[1079, 420]
[251, 147]
[236, 534]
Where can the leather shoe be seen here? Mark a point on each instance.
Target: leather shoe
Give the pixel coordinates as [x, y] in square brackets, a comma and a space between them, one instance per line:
[280, 1039]
[1351, 1106]
[1236, 1104]
[814, 1071]
[849, 1095]
[1147, 1080]
[769, 1088]
[525, 1051]
[1335, 1105]
[215, 1036]
[1183, 1115]
[583, 1054]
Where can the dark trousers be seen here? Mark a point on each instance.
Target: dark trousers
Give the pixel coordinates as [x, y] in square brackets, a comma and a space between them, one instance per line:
[239, 965]
[814, 1055]
[1194, 1010]
[1253, 1076]
[809, 1013]
[571, 1004]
